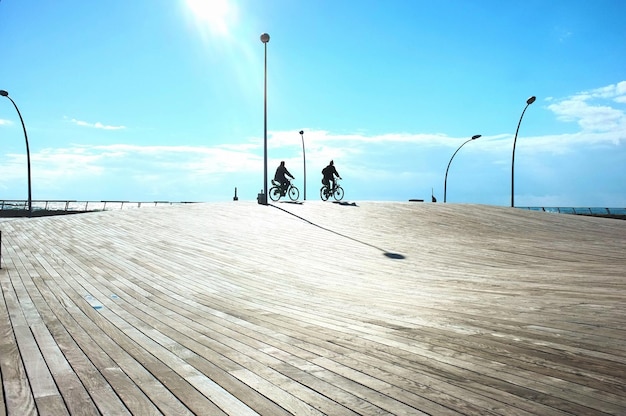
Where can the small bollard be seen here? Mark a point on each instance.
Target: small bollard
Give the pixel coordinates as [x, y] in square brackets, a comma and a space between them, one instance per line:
[260, 198]
[235, 198]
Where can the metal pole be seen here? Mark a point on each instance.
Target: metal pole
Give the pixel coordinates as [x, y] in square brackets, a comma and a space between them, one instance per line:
[445, 182]
[528, 102]
[265, 38]
[30, 198]
[304, 159]
[265, 129]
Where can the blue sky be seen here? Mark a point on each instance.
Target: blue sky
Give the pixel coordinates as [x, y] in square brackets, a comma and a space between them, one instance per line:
[148, 100]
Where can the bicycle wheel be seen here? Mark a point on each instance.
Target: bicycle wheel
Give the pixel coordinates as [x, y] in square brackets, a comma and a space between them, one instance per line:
[274, 193]
[338, 195]
[294, 193]
[324, 193]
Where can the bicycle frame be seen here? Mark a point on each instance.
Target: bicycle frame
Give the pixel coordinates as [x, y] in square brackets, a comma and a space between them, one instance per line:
[276, 191]
[337, 192]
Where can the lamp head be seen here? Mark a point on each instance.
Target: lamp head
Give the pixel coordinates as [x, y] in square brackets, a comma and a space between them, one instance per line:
[476, 136]
[531, 100]
[301, 131]
[4, 93]
[265, 38]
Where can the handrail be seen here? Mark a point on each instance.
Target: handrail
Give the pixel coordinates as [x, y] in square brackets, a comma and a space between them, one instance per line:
[588, 211]
[74, 206]
[578, 210]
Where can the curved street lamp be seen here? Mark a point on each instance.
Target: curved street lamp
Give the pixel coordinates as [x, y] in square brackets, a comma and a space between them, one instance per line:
[528, 102]
[445, 182]
[30, 199]
[265, 38]
[304, 160]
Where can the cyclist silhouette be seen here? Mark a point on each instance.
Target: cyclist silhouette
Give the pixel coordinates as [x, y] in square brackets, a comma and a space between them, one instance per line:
[329, 173]
[280, 176]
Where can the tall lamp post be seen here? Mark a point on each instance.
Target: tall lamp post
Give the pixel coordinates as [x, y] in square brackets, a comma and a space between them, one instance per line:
[528, 102]
[304, 160]
[265, 38]
[445, 182]
[30, 199]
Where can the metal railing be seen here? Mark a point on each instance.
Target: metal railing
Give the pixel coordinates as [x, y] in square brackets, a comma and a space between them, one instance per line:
[589, 211]
[62, 206]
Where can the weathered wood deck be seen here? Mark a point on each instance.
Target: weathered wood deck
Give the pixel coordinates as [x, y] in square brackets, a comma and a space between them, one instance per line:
[320, 308]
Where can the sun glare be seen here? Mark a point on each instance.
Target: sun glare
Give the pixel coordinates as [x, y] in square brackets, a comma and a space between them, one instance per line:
[215, 14]
[223, 38]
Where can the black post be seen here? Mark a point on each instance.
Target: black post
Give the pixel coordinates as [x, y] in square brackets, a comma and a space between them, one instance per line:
[30, 197]
[445, 181]
[304, 159]
[265, 38]
[528, 102]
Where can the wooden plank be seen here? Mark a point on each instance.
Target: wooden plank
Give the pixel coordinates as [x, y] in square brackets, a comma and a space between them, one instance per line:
[95, 385]
[16, 391]
[240, 350]
[75, 397]
[168, 376]
[484, 310]
[121, 363]
[284, 399]
[74, 394]
[3, 406]
[41, 383]
[132, 394]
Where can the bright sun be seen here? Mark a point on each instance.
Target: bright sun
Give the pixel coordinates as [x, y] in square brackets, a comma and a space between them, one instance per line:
[213, 13]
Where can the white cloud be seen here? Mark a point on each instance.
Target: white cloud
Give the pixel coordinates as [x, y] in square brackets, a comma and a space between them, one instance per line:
[125, 171]
[595, 111]
[4, 122]
[317, 137]
[133, 159]
[96, 125]
[610, 91]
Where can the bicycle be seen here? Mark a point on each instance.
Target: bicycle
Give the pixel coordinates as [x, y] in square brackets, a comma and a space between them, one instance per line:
[276, 191]
[326, 192]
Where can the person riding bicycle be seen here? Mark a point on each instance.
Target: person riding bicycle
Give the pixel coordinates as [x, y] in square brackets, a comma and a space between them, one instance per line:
[280, 176]
[329, 173]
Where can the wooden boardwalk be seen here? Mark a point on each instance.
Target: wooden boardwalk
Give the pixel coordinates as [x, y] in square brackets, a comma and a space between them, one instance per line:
[316, 308]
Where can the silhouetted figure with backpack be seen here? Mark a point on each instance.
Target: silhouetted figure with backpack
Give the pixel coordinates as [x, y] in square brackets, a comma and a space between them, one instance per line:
[281, 176]
[329, 173]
